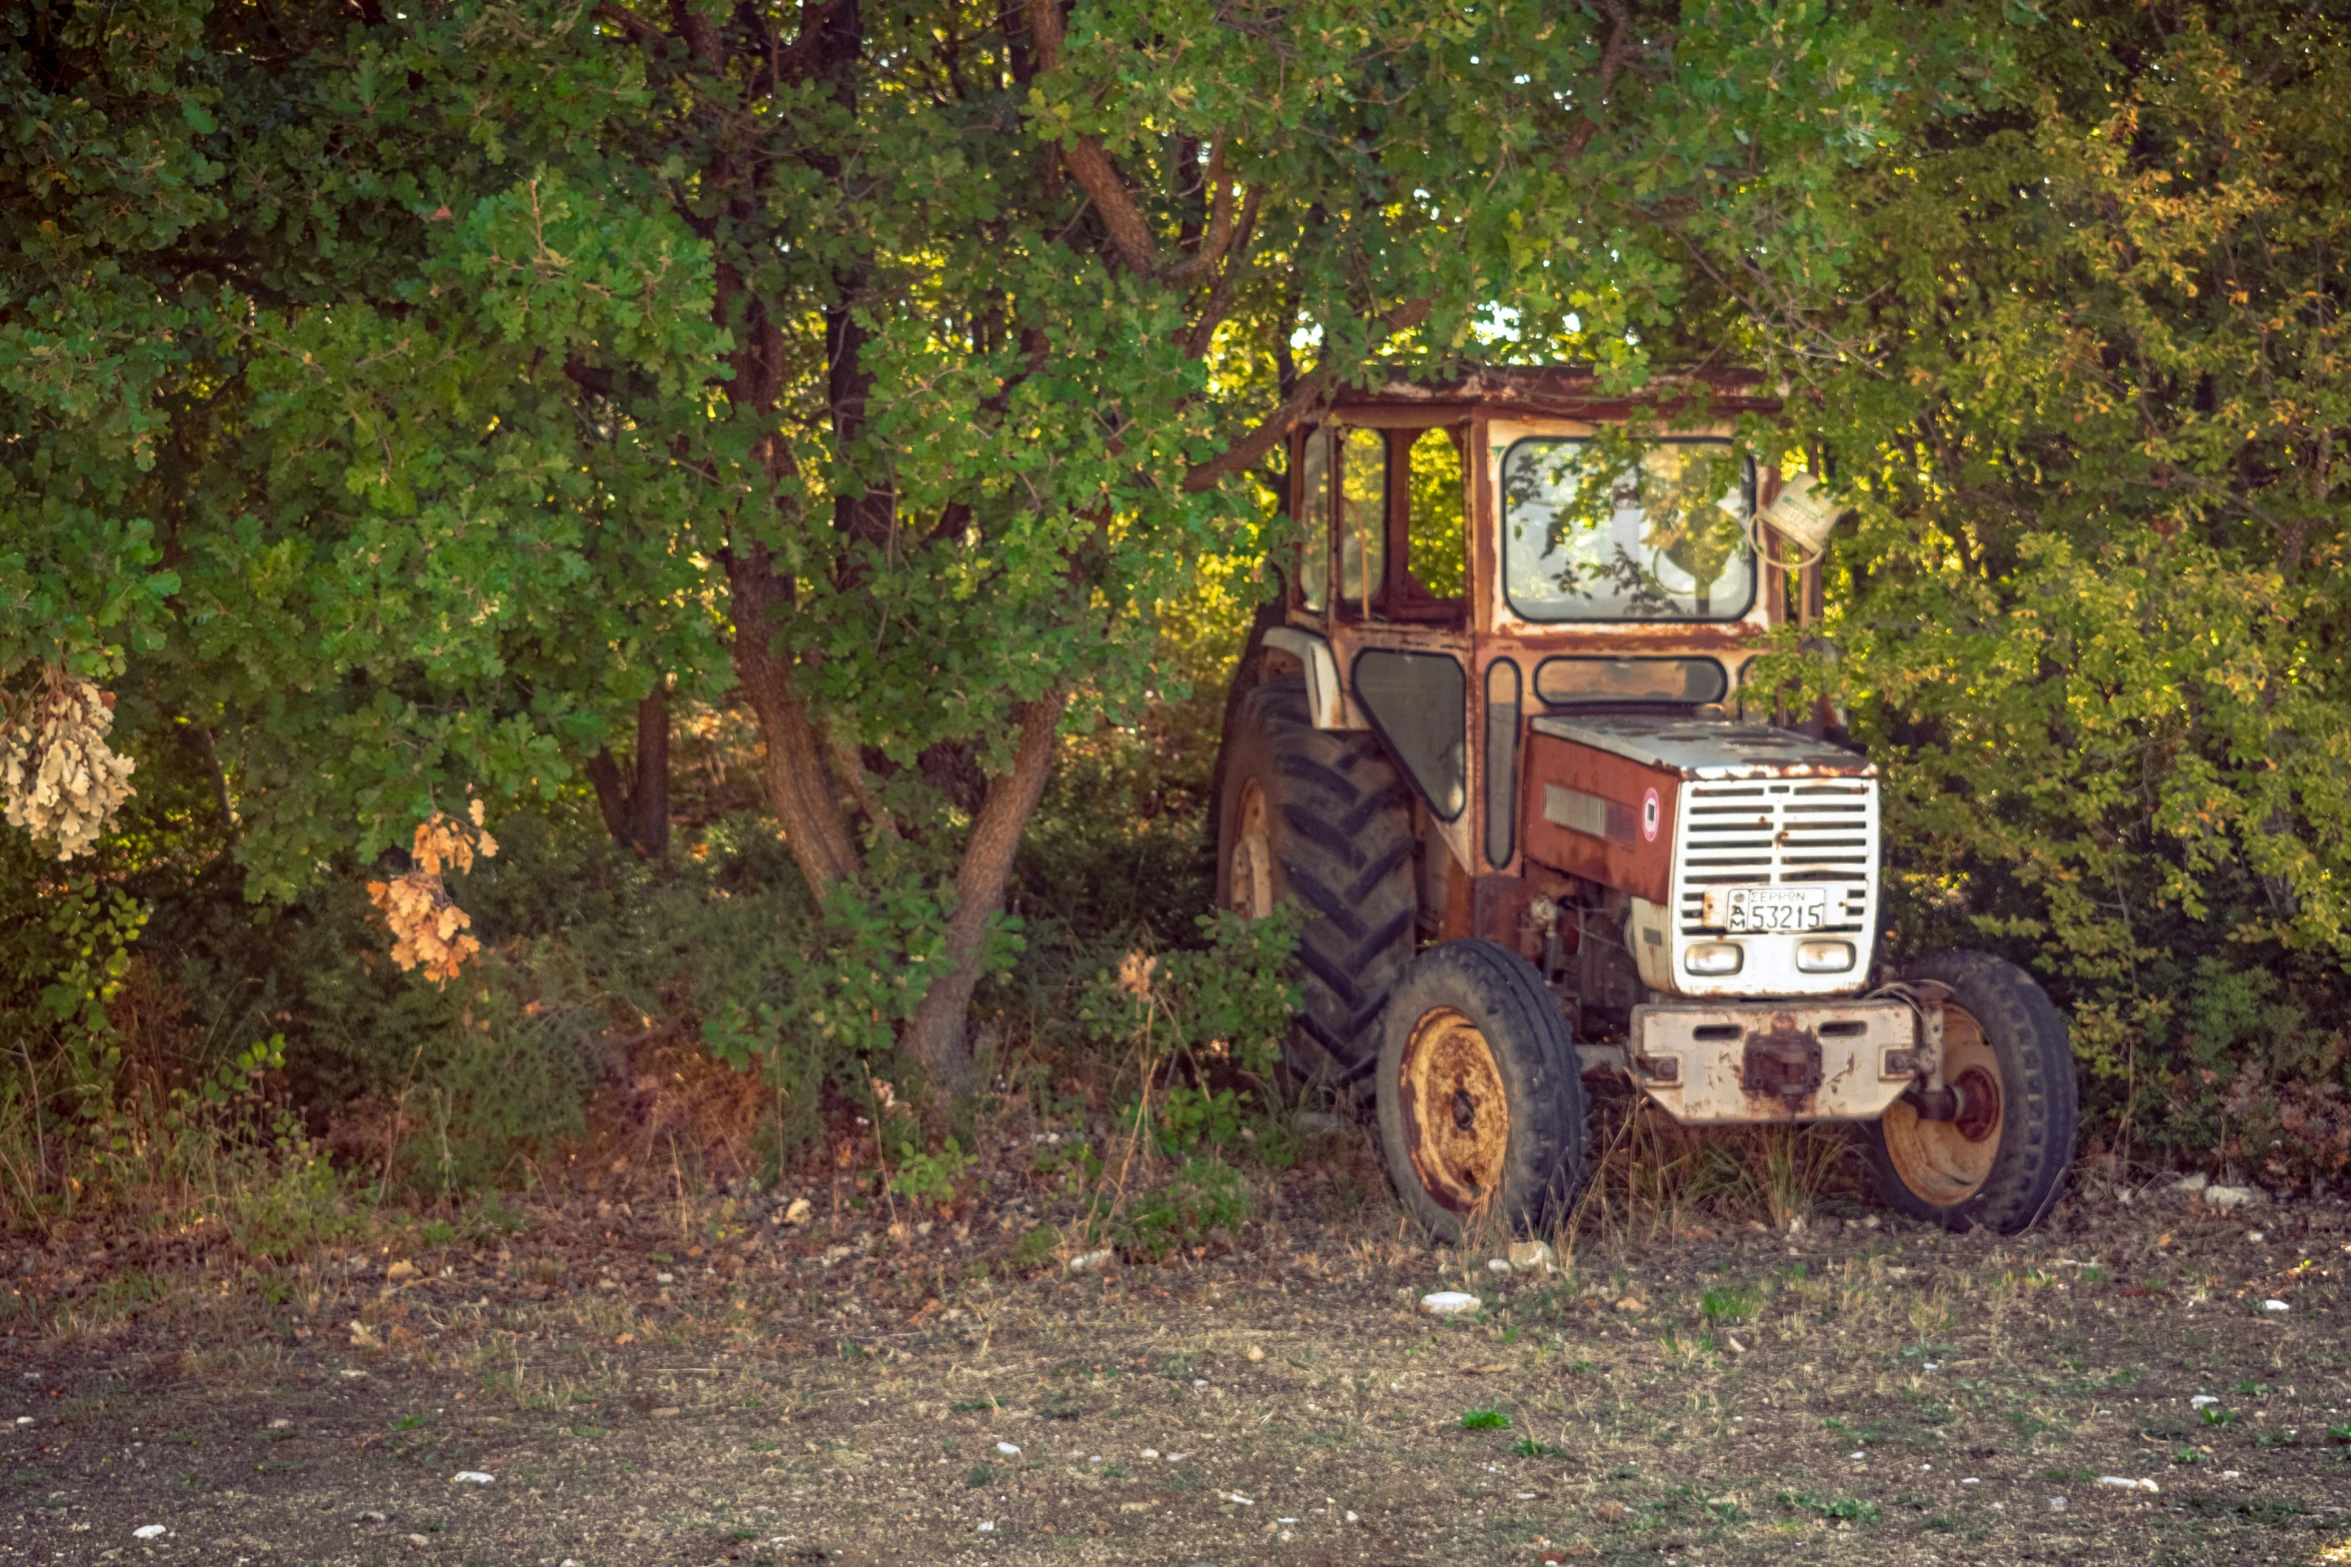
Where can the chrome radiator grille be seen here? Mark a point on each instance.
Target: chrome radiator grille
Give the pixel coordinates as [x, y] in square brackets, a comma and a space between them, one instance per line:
[1780, 831]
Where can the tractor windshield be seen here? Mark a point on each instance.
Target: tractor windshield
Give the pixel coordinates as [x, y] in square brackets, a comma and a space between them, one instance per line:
[1588, 536]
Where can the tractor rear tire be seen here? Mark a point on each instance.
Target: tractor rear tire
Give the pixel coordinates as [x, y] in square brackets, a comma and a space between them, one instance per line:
[1482, 1113]
[2001, 1163]
[1322, 817]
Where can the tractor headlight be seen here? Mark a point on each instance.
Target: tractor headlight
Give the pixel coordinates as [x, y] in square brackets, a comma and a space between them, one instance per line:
[1713, 959]
[1823, 957]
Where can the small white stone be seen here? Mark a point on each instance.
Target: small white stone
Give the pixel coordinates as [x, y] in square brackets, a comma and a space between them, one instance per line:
[1087, 1262]
[2202, 1401]
[987, 1526]
[2255, 1236]
[1238, 1498]
[1971, 1480]
[1007, 1449]
[1351, 1518]
[1856, 1453]
[2230, 1474]
[471, 1477]
[2126, 1483]
[2275, 1305]
[147, 1531]
[665, 1278]
[1498, 1265]
[1150, 1452]
[1449, 1303]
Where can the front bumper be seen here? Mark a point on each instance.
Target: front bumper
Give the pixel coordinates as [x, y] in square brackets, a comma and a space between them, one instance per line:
[1767, 1061]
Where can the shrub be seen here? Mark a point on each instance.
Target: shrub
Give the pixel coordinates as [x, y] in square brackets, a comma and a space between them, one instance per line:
[1203, 1199]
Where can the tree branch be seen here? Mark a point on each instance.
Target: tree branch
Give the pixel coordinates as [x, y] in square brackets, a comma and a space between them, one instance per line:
[1220, 221]
[1089, 164]
[1612, 58]
[1220, 298]
[1312, 390]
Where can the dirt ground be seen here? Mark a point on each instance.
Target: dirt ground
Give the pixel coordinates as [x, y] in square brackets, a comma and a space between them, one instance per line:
[699, 1382]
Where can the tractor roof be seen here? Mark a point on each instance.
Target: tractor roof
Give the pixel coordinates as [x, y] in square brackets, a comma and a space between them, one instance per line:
[1558, 391]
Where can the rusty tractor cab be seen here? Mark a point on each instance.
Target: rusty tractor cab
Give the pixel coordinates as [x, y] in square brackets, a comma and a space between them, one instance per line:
[1500, 745]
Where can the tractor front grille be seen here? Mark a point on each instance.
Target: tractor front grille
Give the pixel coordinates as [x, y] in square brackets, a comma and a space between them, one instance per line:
[1780, 831]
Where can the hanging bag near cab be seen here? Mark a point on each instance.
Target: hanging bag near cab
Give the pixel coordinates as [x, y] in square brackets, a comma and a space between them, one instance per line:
[1496, 749]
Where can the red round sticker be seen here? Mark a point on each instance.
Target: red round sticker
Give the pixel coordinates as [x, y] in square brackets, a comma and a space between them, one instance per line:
[1650, 811]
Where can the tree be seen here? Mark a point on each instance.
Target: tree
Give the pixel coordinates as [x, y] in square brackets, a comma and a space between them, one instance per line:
[497, 362]
[2088, 387]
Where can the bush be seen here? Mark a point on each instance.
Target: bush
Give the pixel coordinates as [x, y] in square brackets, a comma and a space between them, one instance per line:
[1205, 1198]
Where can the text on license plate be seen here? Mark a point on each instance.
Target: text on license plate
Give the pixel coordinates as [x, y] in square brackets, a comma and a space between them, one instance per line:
[1767, 908]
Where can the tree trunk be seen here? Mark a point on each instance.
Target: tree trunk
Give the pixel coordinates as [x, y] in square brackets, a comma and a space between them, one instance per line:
[636, 813]
[793, 768]
[935, 1038]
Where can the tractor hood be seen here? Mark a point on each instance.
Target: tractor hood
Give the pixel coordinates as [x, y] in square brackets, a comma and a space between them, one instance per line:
[1709, 749]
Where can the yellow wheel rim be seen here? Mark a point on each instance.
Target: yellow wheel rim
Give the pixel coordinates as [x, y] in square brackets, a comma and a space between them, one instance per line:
[1249, 872]
[1947, 1162]
[1456, 1114]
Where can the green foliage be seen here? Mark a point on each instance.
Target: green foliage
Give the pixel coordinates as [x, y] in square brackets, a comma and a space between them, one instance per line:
[1204, 1198]
[1484, 1420]
[929, 1176]
[395, 399]
[1528, 1447]
[1213, 1020]
[1727, 1305]
[1036, 1248]
[1843, 1509]
[2091, 405]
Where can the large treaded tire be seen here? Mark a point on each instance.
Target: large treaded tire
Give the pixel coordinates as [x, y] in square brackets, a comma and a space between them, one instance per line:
[1929, 1170]
[1482, 1110]
[1338, 824]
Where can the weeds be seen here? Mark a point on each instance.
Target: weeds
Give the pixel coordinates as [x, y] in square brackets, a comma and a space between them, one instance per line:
[1727, 1305]
[1484, 1420]
[1843, 1510]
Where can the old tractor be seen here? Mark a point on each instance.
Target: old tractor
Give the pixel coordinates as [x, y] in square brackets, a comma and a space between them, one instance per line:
[1499, 744]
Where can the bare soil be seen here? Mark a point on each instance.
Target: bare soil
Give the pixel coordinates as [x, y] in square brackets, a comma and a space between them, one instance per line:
[697, 1382]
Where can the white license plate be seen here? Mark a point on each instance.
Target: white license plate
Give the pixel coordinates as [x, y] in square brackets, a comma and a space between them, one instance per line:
[1767, 908]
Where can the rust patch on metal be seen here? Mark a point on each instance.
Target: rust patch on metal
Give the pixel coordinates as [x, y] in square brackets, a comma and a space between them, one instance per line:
[1641, 865]
[1456, 1114]
[1782, 1063]
[1947, 1162]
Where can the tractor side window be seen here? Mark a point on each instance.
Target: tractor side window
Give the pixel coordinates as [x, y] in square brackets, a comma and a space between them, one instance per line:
[1419, 703]
[1501, 761]
[1566, 681]
[1363, 517]
[1314, 520]
[1586, 536]
[1437, 557]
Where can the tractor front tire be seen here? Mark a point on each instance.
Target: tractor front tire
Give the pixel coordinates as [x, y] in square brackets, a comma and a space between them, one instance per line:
[1482, 1114]
[2001, 1161]
[1320, 816]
